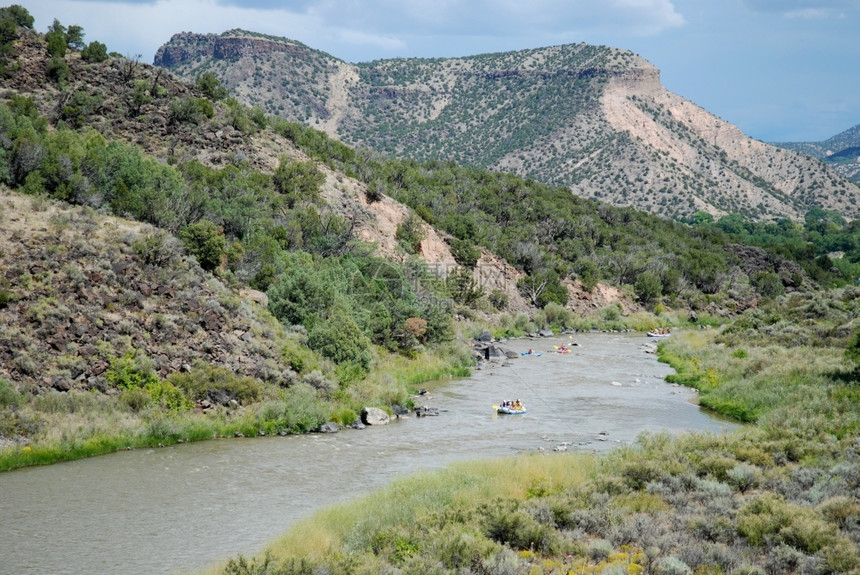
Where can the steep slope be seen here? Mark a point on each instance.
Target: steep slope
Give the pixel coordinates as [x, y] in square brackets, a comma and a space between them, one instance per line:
[82, 289]
[594, 119]
[841, 152]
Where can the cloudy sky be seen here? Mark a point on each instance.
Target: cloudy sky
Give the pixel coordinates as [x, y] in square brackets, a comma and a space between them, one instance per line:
[781, 70]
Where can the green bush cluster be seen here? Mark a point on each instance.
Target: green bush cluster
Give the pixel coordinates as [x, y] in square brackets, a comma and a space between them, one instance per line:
[131, 371]
[809, 244]
[217, 384]
[348, 302]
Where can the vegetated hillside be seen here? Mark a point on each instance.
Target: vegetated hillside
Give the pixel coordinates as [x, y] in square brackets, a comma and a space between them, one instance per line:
[841, 152]
[80, 289]
[123, 136]
[151, 309]
[591, 118]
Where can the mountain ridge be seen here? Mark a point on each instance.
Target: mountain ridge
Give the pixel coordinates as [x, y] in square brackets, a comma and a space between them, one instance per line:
[594, 119]
[841, 152]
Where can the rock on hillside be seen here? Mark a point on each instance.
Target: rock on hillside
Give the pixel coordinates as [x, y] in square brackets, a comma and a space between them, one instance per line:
[80, 289]
[592, 118]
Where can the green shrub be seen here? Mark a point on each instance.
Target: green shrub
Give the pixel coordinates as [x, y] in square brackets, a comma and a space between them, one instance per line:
[189, 111]
[557, 315]
[297, 181]
[344, 416]
[589, 274]
[648, 287]
[300, 410]
[55, 38]
[465, 252]
[768, 284]
[509, 526]
[499, 299]
[671, 565]
[300, 357]
[168, 396]
[217, 384]
[135, 399]
[206, 242]
[410, 233]
[463, 287]
[769, 517]
[211, 86]
[638, 474]
[131, 371]
[94, 52]
[18, 15]
[156, 249]
[350, 372]
[600, 549]
[9, 396]
[340, 339]
[717, 466]
[743, 476]
[58, 71]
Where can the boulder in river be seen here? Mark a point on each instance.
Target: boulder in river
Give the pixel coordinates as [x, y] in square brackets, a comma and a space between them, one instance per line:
[374, 416]
[425, 411]
[491, 352]
[329, 427]
[399, 410]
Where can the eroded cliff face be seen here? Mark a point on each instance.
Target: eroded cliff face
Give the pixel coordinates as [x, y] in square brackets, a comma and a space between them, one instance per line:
[591, 118]
[740, 173]
[185, 47]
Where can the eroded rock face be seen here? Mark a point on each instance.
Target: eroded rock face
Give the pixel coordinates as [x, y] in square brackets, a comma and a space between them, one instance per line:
[374, 416]
[227, 46]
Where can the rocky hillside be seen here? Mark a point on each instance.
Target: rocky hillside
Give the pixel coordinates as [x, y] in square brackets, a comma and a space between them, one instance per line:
[841, 152]
[594, 119]
[79, 289]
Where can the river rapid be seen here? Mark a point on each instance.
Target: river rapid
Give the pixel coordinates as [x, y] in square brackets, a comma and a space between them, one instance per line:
[182, 508]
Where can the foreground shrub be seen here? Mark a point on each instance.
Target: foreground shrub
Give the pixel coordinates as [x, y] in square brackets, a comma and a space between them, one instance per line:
[770, 518]
[510, 526]
[217, 384]
[9, 396]
[300, 410]
[672, 566]
[168, 396]
[131, 371]
[743, 476]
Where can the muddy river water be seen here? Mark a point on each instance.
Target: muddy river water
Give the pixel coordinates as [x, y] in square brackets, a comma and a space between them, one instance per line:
[181, 508]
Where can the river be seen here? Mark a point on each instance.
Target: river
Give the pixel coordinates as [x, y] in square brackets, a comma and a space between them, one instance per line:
[181, 508]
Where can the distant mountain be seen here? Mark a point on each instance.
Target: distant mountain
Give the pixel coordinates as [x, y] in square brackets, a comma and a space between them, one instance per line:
[841, 152]
[591, 118]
